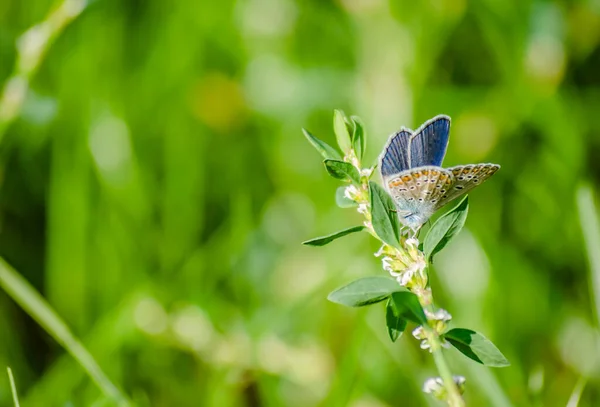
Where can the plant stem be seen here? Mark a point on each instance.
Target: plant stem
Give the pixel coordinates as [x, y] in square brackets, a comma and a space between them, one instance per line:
[13, 387]
[454, 397]
[31, 48]
[36, 306]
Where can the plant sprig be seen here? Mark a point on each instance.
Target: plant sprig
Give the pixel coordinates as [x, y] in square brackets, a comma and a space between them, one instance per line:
[407, 293]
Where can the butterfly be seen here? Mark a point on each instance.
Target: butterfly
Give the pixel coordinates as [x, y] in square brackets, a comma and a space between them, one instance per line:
[411, 169]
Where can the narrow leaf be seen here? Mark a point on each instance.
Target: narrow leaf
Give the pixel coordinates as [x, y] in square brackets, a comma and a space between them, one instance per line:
[407, 306]
[322, 147]
[322, 241]
[13, 387]
[395, 323]
[341, 200]
[476, 346]
[359, 138]
[445, 228]
[341, 131]
[384, 217]
[342, 170]
[32, 302]
[365, 291]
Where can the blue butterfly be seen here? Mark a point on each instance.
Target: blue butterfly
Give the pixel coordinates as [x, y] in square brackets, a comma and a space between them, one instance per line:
[411, 169]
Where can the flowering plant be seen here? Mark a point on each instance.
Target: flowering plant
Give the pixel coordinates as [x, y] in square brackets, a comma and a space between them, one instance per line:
[406, 291]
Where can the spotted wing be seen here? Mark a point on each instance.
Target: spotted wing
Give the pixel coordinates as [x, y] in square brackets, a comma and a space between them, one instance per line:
[419, 190]
[428, 144]
[395, 157]
[465, 178]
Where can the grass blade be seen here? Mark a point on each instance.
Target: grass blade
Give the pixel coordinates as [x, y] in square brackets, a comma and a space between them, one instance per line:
[588, 217]
[38, 308]
[44, 33]
[577, 391]
[13, 387]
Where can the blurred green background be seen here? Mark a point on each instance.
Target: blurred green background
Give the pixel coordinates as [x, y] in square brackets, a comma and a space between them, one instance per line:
[155, 188]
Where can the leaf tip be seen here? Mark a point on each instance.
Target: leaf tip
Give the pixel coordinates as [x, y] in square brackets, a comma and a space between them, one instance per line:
[331, 297]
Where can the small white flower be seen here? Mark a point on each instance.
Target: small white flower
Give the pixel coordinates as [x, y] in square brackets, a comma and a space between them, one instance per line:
[387, 250]
[406, 277]
[439, 315]
[433, 385]
[459, 380]
[417, 266]
[351, 192]
[363, 208]
[438, 320]
[411, 241]
[387, 264]
[419, 333]
[425, 345]
[366, 172]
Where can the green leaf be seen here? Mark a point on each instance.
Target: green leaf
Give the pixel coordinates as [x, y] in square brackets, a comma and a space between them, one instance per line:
[322, 147]
[445, 228]
[342, 170]
[407, 306]
[384, 217]
[395, 323]
[365, 291]
[341, 200]
[322, 241]
[476, 346]
[340, 127]
[359, 138]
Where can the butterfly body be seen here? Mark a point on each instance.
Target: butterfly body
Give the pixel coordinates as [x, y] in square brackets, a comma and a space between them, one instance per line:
[411, 170]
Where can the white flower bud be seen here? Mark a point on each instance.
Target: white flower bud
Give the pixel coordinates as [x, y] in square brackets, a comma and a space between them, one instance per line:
[435, 386]
[366, 172]
[439, 315]
[351, 192]
[419, 333]
[363, 208]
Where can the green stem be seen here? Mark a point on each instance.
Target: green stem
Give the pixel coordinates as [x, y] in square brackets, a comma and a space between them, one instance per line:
[13, 387]
[454, 397]
[36, 306]
[31, 48]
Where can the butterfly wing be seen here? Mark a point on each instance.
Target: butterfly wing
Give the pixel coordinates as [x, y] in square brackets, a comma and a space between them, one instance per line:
[428, 144]
[417, 192]
[465, 178]
[395, 157]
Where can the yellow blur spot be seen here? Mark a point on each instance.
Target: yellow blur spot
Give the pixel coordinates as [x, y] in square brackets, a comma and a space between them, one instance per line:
[218, 102]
